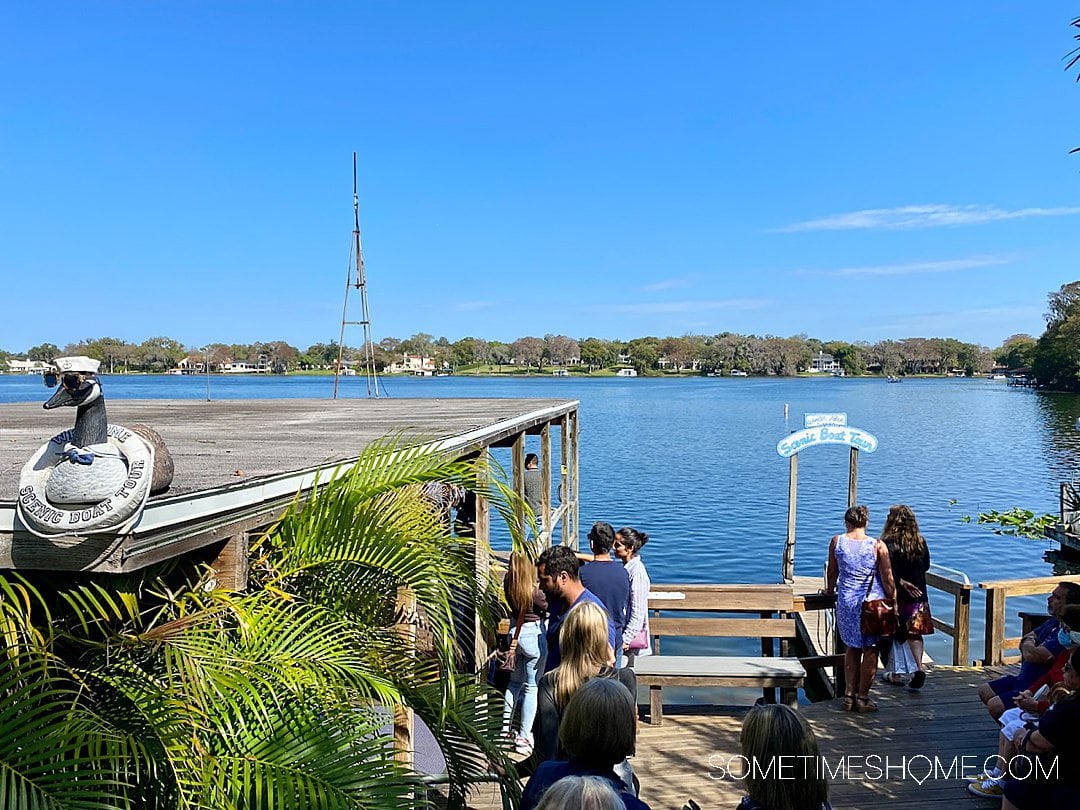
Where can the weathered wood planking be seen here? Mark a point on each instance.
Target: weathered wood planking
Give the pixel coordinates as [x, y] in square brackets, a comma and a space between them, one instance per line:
[240, 462]
[723, 628]
[219, 443]
[720, 598]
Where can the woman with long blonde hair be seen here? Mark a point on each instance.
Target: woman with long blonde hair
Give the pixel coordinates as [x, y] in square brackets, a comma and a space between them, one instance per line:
[586, 654]
[528, 606]
[910, 559]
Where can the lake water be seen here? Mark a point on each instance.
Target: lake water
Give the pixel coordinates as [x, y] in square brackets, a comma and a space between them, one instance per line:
[693, 462]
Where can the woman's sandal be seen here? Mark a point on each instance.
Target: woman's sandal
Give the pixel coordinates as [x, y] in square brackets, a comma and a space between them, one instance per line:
[865, 704]
[849, 703]
[892, 679]
[917, 680]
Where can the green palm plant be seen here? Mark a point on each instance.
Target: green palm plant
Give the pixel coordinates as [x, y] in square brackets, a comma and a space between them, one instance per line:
[164, 692]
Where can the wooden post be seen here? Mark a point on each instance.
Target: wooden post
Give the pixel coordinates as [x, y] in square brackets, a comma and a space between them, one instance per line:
[788, 568]
[518, 471]
[481, 544]
[231, 564]
[853, 477]
[961, 627]
[574, 477]
[564, 474]
[995, 626]
[545, 476]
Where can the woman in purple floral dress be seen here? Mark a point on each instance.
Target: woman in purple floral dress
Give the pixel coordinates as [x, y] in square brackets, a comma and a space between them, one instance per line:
[858, 563]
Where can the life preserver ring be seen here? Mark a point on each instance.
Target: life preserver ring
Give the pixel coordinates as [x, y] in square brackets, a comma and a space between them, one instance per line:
[116, 513]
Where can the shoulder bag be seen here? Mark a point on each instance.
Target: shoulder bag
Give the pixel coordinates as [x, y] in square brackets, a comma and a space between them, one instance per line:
[878, 616]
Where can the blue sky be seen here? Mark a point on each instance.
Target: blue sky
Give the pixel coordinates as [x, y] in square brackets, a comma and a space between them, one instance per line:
[849, 170]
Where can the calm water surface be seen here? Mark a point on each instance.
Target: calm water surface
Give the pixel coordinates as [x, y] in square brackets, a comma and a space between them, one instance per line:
[693, 462]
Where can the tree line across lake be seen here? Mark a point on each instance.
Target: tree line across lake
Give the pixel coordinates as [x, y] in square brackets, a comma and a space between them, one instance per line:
[1054, 358]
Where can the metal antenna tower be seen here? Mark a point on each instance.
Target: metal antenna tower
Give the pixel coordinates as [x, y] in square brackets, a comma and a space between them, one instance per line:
[360, 283]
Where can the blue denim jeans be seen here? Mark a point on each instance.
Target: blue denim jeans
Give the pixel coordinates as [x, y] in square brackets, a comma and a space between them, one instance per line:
[528, 667]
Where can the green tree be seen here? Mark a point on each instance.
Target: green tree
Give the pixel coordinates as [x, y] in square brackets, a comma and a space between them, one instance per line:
[597, 353]
[1018, 351]
[644, 353]
[1056, 364]
[46, 352]
[161, 353]
[849, 355]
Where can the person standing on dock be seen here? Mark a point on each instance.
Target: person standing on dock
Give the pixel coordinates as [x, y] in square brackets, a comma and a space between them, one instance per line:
[910, 559]
[628, 544]
[859, 570]
[534, 485]
[608, 579]
[558, 571]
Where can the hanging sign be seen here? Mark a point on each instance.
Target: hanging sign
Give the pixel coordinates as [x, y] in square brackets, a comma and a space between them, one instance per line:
[826, 434]
[818, 419]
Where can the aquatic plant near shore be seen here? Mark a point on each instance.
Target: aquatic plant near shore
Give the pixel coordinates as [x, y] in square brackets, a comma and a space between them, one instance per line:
[1016, 522]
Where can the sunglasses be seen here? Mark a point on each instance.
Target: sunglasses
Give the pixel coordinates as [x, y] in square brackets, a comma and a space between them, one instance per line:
[70, 380]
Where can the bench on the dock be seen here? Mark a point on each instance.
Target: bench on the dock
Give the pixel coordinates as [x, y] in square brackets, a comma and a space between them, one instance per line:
[769, 603]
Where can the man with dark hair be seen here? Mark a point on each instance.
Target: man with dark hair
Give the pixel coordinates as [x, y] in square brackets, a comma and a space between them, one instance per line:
[557, 568]
[607, 578]
[1038, 649]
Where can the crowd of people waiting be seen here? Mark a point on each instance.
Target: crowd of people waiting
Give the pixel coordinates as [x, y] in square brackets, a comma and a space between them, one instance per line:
[570, 708]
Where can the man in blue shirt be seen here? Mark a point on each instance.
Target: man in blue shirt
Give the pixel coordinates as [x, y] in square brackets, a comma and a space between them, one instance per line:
[607, 578]
[557, 568]
[1037, 652]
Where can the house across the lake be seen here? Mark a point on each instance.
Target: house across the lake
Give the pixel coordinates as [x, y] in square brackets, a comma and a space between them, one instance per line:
[822, 363]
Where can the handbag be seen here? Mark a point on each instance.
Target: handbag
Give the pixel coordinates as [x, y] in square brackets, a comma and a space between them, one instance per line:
[506, 660]
[920, 622]
[878, 616]
[641, 640]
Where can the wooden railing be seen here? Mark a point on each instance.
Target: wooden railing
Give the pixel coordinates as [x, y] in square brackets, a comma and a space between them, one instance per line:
[960, 629]
[997, 592]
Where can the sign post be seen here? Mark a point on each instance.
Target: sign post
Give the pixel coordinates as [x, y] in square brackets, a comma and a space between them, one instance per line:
[819, 428]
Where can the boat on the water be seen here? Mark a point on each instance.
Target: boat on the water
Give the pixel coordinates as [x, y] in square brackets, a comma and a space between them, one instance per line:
[891, 378]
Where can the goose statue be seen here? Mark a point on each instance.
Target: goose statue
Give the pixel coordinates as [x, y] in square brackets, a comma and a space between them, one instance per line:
[94, 477]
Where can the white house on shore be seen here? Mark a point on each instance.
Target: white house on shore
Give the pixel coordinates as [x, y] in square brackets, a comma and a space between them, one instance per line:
[415, 364]
[28, 366]
[822, 363]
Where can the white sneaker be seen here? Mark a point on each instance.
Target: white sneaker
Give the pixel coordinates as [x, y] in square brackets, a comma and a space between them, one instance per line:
[993, 773]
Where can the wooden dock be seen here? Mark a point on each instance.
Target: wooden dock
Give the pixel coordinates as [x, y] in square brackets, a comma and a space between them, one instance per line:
[240, 462]
[680, 759]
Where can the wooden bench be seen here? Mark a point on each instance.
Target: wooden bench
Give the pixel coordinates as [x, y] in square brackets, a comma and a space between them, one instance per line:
[770, 603]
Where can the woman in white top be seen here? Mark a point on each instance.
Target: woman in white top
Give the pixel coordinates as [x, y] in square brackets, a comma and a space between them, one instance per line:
[636, 640]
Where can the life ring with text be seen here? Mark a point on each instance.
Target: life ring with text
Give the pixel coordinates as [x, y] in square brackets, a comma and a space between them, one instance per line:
[117, 513]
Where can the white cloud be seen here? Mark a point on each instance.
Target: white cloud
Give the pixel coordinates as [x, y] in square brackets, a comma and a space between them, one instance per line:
[679, 307]
[922, 216]
[666, 284]
[913, 268]
[469, 306]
